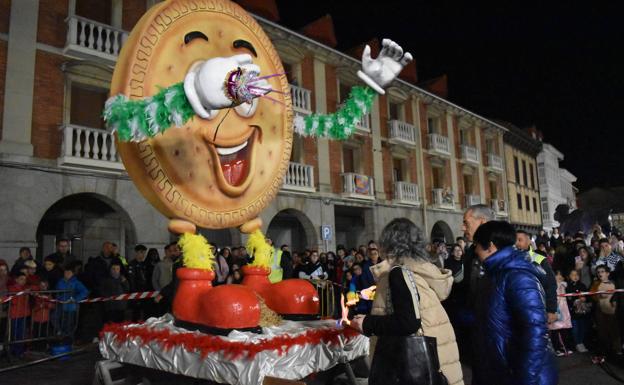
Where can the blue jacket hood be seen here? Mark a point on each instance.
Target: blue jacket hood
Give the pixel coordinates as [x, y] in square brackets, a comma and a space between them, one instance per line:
[510, 258]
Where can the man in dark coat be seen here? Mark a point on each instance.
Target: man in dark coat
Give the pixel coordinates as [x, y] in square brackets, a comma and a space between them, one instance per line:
[62, 255]
[140, 278]
[514, 335]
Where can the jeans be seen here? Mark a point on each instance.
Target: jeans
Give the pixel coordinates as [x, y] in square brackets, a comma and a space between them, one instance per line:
[579, 329]
[18, 332]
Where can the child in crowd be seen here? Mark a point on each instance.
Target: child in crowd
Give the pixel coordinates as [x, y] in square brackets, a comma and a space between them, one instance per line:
[580, 310]
[606, 320]
[560, 329]
[19, 313]
[75, 291]
[41, 314]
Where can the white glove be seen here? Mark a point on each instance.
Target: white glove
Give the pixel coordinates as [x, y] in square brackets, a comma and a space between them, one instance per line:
[204, 84]
[379, 72]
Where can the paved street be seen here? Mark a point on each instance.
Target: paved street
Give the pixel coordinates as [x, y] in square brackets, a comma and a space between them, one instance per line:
[79, 369]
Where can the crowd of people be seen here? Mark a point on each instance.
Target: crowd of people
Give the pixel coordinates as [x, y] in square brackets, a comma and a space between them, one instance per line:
[565, 264]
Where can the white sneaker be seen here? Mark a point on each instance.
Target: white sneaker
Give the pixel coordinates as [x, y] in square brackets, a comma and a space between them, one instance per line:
[95, 340]
[581, 348]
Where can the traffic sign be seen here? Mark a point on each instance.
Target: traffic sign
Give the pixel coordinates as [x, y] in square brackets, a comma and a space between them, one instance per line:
[326, 232]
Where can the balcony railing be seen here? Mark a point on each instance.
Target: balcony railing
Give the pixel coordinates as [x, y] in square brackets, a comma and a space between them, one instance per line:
[358, 186]
[301, 99]
[472, 200]
[299, 177]
[88, 38]
[495, 163]
[499, 206]
[442, 198]
[87, 147]
[469, 154]
[406, 193]
[401, 132]
[439, 144]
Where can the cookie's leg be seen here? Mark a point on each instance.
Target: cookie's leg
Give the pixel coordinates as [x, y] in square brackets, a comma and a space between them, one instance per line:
[251, 226]
[180, 226]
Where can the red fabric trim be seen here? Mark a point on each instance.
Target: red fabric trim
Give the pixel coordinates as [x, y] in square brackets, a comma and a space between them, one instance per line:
[206, 343]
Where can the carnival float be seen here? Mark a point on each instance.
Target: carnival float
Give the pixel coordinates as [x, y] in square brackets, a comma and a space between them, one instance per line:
[203, 120]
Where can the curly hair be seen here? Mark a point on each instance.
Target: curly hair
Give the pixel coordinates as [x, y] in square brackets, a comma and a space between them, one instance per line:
[403, 239]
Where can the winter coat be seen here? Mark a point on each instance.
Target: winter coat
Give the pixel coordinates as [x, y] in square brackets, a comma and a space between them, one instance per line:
[41, 309]
[52, 276]
[112, 287]
[564, 320]
[514, 333]
[162, 274]
[19, 306]
[577, 287]
[433, 286]
[75, 290]
[140, 275]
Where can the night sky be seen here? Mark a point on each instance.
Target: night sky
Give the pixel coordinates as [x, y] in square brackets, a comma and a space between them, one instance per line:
[558, 68]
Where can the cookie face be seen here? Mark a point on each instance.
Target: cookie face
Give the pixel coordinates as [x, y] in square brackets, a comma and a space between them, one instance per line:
[215, 173]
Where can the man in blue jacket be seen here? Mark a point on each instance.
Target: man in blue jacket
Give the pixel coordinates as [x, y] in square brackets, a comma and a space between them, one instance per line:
[514, 336]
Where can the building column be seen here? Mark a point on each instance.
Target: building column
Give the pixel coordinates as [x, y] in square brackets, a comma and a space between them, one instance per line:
[117, 13]
[378, 173]
[420, 166]
[322, 144]
[450, 132]
[481, 166]
[503, 176]
[20, 78]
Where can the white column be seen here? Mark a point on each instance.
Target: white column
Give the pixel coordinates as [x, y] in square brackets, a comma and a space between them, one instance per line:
[420, 166]
[116, 13]
[20, 78]
[481, 166]
[378, 173]
[322, 144]
[453, 163]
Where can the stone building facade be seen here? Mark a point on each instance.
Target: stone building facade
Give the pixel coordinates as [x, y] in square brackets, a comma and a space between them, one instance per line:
[416, 155]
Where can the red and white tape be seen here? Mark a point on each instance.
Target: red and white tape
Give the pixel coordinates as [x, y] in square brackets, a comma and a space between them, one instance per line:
[584, 293]
[121, 297]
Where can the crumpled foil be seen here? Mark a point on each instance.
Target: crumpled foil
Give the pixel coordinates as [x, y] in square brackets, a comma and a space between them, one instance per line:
[297, 363]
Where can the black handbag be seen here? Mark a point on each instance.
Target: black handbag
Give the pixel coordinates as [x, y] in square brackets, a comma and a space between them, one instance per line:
[406, 360]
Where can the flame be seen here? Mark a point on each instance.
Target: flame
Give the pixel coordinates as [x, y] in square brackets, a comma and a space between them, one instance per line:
[345, 311]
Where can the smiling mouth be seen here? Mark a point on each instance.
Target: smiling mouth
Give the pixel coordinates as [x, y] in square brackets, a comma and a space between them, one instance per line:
[234, 166]
[234, 162]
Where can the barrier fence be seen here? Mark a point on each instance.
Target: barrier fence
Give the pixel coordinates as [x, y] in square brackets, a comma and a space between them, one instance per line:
[29, 317]
[32, 319]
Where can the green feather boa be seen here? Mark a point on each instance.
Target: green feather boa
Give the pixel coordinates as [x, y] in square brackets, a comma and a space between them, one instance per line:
[137, 120]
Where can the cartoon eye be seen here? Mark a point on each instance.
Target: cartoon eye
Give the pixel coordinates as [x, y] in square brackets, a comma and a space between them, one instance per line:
[246, 110]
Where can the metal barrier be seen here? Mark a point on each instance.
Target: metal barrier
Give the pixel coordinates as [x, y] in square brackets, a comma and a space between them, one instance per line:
[329, 304]
[33, 318]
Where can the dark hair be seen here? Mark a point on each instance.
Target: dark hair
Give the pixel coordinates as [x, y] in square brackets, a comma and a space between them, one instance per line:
[114, 244]
[19, 274]
[502, 234]
[520, 231]
[459, 239]
[169, 245]
[24, 248]
[402, 238]
[71, 266]
[605, 267]
[62, 240]
[49, 258]
[604, 240]
[284, 245]
[457, 245]
[140, 248]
